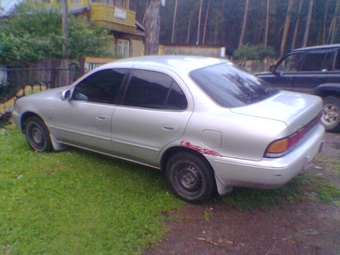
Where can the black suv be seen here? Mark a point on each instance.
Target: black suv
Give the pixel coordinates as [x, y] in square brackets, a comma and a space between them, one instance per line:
[313, 70]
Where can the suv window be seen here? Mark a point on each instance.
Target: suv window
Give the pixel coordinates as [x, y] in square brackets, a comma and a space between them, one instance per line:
[100, 87]
[230, 87]
[154, 90]
[291, 63]
[318, 60]
[337, 60]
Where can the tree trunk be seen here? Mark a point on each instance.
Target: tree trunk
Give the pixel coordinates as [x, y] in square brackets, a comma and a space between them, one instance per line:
[152, 27]
[206, 22]
[244, 24]
[332, 29]
[324, 27]
[309, 19]
[189, 29]
[65, 28]
[286, 27]
[199, 23]
[174, 23]
[267, 25]
[296, 29]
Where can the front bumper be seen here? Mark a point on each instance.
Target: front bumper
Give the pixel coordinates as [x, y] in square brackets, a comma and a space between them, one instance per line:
[268, 172]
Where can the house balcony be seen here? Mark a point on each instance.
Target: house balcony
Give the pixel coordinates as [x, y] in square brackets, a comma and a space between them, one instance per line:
[113, 18]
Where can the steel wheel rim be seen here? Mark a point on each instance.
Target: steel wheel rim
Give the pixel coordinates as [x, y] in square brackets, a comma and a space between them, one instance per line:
[37, 137]
[330, 114]
[188, 178]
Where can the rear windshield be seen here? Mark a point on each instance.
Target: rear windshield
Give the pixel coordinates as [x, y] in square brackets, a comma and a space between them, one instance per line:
[230, 86]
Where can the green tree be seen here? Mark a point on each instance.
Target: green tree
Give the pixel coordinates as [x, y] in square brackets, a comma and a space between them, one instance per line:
[252, 52]
[33, 34]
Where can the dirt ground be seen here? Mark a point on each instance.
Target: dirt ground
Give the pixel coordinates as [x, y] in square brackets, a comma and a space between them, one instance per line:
[307, 227]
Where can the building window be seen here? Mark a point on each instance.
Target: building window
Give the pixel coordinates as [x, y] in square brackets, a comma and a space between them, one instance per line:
[75, 1]
[108, 2]
[123, 47]
[119, 3]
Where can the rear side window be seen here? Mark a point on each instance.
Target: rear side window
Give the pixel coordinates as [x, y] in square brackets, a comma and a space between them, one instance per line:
[229, 86]
[148, 89]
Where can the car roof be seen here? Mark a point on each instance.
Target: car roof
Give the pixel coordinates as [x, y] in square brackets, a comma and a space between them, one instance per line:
[318, 47]
[173, 62]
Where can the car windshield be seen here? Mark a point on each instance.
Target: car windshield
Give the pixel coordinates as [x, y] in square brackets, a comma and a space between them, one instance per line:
[230, 86]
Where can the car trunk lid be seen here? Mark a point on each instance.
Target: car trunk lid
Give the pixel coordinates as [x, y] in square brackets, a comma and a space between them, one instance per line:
[294, 109]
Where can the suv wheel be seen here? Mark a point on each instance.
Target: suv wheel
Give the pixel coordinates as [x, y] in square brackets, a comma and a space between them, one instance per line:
[331, 114]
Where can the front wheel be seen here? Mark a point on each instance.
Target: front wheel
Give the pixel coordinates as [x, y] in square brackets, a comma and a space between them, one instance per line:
[37, 135]
[190, 177]
[331, 114]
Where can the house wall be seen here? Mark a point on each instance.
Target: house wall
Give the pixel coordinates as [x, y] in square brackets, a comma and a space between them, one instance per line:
[137, 48]
[197, 50]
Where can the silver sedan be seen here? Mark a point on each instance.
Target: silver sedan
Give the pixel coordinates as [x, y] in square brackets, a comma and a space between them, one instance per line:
[209, 125]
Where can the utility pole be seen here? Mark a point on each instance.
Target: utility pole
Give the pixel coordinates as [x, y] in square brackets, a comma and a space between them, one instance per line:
[64, 27]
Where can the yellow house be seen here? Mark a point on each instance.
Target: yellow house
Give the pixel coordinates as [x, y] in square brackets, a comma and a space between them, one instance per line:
[114, 15]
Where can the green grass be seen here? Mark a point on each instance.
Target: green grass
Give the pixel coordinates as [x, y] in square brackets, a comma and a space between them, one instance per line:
[74, 202]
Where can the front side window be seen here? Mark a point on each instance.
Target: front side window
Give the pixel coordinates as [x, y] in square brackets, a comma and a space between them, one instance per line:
[291, 63]
[229, 86]
[100, 87]
[154, 90]
[123, 47]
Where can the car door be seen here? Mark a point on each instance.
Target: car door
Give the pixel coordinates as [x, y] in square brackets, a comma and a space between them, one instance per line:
[85, 119]
[153, 113]
[286, 71]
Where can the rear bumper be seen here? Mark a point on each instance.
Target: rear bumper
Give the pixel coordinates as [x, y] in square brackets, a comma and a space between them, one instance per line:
[268, 172]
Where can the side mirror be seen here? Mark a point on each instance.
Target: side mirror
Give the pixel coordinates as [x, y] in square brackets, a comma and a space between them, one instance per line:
[66, 95]
[272, 68]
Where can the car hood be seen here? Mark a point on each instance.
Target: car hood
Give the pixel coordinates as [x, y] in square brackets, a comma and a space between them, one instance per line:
[294, 109]
[48, 93]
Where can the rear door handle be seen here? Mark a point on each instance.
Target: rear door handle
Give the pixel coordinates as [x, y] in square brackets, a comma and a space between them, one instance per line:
[169, 128]
[102, 118]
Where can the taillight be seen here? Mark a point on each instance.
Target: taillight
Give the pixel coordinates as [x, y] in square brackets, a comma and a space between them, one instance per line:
[282, 146]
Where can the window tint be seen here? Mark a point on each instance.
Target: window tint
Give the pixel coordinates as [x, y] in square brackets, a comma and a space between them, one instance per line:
[337, 60]
[154, 90]
[230, 87]
[314, 61]
[100, 87]
[291, 63]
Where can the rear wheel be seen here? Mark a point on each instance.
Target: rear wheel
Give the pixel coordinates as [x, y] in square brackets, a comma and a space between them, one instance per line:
[37, 134]
[190, 177]
[331, 114]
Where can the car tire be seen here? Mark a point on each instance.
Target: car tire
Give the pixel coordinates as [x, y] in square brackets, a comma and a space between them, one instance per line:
[331, 114]
[190, 177]
[37, 135]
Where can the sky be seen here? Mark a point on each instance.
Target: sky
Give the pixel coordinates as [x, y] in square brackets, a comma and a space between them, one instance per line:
[7, 5]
